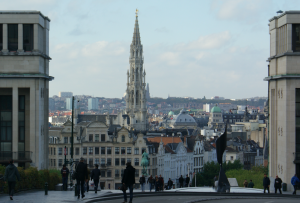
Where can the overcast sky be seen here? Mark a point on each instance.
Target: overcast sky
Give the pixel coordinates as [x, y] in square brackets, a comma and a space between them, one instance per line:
[191, 48]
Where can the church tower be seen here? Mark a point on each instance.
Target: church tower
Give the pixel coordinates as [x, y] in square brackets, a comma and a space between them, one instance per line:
[136, 83]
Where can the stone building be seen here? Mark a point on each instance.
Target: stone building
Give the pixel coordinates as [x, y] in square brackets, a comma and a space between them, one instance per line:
[216, 119]
[284, 96]
[24, 88]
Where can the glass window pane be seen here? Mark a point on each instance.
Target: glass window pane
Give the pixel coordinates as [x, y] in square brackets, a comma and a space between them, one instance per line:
[6, 116]
[297, 94]
[12, 37]
[6, 146]
[21, 146]
[27, 37]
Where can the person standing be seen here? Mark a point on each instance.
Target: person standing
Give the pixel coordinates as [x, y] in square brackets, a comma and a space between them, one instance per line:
[170, 184]
[88, 178]
[142, 182]
[161, 183]
[95, 175]
[187, 181]
[11, 173]
[250, 184]
[156, 183]
[245, 183]
[277, 184]
[214, 181]
[81, 177]
[295, 181]
[128, 180]
[266, 183]
[181, 181]
[150, 181]
[65, 174]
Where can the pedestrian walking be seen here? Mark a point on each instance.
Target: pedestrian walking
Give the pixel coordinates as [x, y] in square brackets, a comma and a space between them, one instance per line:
[150, 181]
[266, 183]
[277, 184]
[65, 174]
[156, 183]
[87, 181]
[128, 180]
[142, 182]
[187, 181]
[245, 183]
[295, 181]
[95, 175]
[170, 184]
[81, 177]
[181, 181]
[161, 183]
[250, 184]
[10, 175]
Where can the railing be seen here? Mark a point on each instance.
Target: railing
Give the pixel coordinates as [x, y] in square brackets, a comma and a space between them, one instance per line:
[21, 156]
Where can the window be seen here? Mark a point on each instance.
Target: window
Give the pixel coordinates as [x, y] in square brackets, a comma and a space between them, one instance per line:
[117, 150]
[137, 173]
[136, 150]
[102, 161]
[90, 150]
[66, 150]
[136, 162]
[96, 150]
[84, 150]
[21, 144]
[143, 150]
[77, 151]
[122, 172]
[90, 138]
[123, 138]
[60, 151]
[27, 37]
[97, 138]
[297, 114]
[12, 37]
[103, 174]
[128, 160]
[296, 37]
[122, 161]
[90, 162]
[102, 150]
[117, 161]
[97, 161]
[150, 150]
[122, 150]
[59, 162]
[128, 150]
[51, 150]
[109, 173]
[54, 162]
[108, 161]
[54, 151]
[117, 173]
[65, 140]
[1, 37]
[102, 137]
[231, 158]
[108, 150]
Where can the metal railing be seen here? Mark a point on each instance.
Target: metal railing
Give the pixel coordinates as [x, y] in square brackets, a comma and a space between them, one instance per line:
[21, 156]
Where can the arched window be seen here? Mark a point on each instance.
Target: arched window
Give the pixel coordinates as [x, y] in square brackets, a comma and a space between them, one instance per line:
[123, 138]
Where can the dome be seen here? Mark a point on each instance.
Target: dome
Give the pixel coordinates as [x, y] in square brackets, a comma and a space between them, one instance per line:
[171, 113]
[216, 109]
[184, 118]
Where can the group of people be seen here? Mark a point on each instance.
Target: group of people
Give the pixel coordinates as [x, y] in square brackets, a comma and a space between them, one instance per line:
[187, 181]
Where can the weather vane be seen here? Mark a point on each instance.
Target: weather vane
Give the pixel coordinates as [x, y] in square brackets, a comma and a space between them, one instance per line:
[136, 12]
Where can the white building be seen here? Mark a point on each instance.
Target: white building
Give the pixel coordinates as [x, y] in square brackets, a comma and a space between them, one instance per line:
[92, 103]
[198, 155]
[65, 94]
[69, 104]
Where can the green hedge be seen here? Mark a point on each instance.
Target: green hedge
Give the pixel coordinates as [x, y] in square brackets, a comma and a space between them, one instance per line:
[31, 178]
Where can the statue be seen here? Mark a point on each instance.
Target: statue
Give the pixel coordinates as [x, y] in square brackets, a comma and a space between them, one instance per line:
[221, 144]
[144, 163]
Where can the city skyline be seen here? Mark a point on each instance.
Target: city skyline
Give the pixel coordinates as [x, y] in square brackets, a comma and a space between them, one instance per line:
[193, 49]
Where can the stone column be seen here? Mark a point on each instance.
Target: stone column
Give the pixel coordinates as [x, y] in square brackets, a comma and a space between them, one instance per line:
[35, 38]
[15, 125]
[5, 38]
[20, 38]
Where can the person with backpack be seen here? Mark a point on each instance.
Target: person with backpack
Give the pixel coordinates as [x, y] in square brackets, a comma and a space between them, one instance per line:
[142, 182]
[65, 174]
[295, 181]
[150, 181]
[95, 175]
[128, 180]
[10, 175]
[81, 177]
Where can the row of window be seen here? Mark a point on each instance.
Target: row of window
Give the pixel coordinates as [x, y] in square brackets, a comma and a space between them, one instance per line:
[97, 150]
[12, 37]
[91, 138]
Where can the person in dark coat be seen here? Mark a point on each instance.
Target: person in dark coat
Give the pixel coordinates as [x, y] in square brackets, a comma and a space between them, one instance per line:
[65, 174]
[277, 184]
[266, 183]
[295, 181]
[170, 184]
[128, 180]
[81, 177]
[95, 175]
[187, 181]
[250, 184]
[11, 173]
[181, 181]
[142, 182]
[161, 183]
[150, 181]
[88, 178]
[156, 183]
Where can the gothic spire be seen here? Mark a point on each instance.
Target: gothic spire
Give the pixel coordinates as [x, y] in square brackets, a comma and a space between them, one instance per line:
[136, 34]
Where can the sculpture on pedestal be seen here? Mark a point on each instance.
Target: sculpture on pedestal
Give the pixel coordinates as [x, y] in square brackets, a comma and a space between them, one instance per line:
[144, 163]
[221, 144]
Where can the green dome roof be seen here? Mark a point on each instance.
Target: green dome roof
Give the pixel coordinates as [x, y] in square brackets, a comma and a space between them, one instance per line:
[171, 113]
[215, 109]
